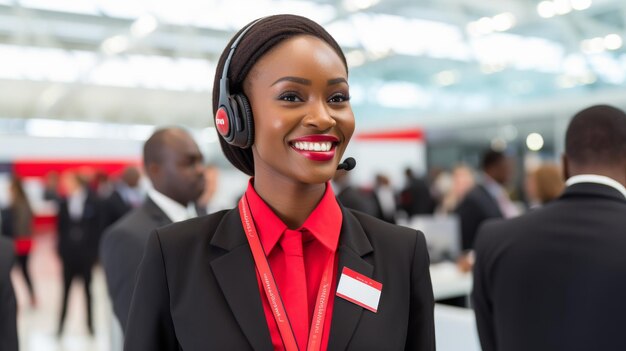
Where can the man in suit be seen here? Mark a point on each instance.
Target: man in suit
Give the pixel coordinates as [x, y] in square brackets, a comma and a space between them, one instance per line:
[486, 200]
[416, 198]
[123, 198]
[78, 228]
[173, 162]
[8, 307]
[555, 279]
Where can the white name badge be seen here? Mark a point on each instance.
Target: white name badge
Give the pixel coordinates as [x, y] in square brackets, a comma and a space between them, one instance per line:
[359, 289]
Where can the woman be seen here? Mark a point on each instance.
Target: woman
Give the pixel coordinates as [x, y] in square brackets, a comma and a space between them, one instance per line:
[264, 276]
[21, 229]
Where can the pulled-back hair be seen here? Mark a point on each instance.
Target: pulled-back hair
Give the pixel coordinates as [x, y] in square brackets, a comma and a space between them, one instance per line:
[260, 39]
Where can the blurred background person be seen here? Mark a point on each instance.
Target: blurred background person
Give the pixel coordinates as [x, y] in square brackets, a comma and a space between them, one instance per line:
[203, 204]
[454, 187]
[125, 196]
[415, 198]
[51, 187]
[384, 198]
[488, 199]
[8, 304]
[544, 184]
[173, 163]
[350, 196]
[17, 222]
[555, 279]
[78, 228]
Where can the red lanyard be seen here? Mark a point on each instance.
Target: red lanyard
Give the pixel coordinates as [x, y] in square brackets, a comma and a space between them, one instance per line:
[271, 289]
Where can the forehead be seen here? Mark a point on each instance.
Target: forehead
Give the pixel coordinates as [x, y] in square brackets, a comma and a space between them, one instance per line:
[180, 144]
[302, 55]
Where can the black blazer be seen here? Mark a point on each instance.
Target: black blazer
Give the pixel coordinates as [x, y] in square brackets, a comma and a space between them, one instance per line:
[113, 208]
[555, 279]
[121, 251]
[8, 307]
[197, 289]
[81, 249]
[476, 207]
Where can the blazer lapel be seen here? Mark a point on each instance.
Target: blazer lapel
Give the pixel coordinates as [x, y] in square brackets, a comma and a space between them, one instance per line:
[236, 275]
[353, 246]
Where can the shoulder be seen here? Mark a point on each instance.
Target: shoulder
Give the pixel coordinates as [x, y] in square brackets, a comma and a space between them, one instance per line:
[136, 223]
[191, 231]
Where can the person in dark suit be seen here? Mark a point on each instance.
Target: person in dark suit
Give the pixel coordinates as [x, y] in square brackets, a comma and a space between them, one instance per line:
[124, 197]
[487, 199]
[8, 305]
[78, 229]
[173, 163]
[198, 287]
[384, 199]
[416, 198]
[555, 278]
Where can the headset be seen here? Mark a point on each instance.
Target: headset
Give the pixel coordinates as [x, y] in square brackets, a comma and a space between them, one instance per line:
[233, 118]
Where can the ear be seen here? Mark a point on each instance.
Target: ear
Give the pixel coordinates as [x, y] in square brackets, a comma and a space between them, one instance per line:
[565, 166]
[153, 171]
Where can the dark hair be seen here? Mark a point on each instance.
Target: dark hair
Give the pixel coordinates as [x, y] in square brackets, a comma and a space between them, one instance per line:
[491, 158]
[260, 39]
[597, 136]
[19, 193]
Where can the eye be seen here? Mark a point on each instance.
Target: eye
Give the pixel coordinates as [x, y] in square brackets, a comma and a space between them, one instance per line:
[339, 98]
[290, 97]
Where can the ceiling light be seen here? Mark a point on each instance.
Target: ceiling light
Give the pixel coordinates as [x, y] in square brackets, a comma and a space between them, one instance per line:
[580, 5]
[546, 9]
[446, 78]
[115, 45]
[596, 45]
[534, 141]
[356, 5]
[143, 26]
[562, 7]
[613, 42]
[503, 21]
[485, 25]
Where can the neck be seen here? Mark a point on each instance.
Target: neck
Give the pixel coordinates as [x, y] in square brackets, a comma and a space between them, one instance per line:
[292, 201]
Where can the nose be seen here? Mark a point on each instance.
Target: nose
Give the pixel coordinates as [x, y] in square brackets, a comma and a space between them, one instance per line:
[319, 116]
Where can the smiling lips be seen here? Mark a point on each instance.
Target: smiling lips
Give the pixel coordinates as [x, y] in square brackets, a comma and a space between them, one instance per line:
[316, 147]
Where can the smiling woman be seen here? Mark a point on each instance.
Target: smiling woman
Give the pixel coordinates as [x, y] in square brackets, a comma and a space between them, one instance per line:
[290, 269]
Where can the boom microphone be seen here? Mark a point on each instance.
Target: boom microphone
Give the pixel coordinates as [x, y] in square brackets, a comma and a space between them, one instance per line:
[347, 164]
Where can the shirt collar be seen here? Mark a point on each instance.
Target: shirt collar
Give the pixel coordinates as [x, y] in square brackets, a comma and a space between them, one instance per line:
[174, 211]
[598, 179]
[324, 223]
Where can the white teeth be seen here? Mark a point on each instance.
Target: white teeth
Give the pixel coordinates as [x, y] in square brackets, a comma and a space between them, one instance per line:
[308, 146]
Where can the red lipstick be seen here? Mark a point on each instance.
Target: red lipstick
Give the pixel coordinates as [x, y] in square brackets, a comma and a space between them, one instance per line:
[316, 147]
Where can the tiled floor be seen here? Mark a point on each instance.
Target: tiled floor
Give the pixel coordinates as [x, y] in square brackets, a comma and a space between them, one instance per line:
[37, 325]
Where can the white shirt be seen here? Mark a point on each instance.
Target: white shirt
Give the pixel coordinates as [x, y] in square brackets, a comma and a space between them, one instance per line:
[598, 179]
[497, 191]
[174, 211]
[76, 204]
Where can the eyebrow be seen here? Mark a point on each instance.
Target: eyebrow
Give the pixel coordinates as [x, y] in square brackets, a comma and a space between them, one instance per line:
[308, 82]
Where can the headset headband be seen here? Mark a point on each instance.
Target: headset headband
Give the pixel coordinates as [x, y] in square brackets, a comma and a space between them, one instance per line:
[234, 46]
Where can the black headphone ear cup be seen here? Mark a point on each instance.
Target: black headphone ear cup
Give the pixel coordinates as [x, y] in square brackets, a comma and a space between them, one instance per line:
[247, 121]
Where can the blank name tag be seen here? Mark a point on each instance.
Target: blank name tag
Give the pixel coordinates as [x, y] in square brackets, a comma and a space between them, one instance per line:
[359, 289]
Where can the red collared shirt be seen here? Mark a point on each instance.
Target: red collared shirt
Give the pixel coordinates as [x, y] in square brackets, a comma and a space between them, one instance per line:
[320, 237]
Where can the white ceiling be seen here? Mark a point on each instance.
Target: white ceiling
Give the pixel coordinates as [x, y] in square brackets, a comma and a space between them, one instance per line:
[413, 62]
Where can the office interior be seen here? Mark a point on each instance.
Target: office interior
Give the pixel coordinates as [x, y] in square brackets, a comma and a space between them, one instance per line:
[433, 84]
